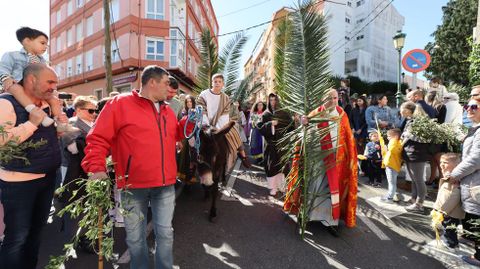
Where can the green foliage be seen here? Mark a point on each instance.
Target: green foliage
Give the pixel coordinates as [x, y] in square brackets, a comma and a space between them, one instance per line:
[462, 91]
[12, 149]
[92, 209]
[451, 49]
[241, 93]
[209, 63]
[363, 87]
[474, 60]
[302, 50]
[427, 130]
[226, 63]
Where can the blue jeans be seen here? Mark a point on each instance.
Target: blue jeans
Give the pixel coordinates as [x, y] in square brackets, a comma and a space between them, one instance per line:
[392, 181]
[135, 203]
[27, 205]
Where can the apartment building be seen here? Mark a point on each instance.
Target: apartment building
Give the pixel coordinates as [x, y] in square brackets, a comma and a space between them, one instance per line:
[357, 46]
[143, 32]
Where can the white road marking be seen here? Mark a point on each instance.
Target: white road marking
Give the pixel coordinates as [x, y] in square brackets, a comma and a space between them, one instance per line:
[373, 227]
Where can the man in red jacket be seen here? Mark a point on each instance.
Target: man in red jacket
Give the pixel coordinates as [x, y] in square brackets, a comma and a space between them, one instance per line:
[140, 131]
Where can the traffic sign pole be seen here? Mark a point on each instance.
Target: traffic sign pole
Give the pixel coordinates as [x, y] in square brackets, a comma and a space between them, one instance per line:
[414, 80]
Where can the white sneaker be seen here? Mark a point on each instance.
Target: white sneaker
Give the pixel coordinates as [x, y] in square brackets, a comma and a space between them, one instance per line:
[395, 198]
[415, 208]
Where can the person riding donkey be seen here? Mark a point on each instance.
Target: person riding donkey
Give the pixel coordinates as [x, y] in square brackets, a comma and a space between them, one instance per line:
[216, 107]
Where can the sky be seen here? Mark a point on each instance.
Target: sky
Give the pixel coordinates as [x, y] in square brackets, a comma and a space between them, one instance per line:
[421, 19]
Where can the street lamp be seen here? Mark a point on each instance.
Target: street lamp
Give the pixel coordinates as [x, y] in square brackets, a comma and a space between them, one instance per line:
[399, 42]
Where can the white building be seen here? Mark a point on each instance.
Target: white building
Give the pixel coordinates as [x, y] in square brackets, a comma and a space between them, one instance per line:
[359, 46]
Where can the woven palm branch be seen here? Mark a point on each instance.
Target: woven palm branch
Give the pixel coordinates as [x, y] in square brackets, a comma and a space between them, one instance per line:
[302, 76]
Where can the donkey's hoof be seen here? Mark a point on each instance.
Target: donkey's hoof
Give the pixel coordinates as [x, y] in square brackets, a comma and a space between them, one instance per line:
[212, 215]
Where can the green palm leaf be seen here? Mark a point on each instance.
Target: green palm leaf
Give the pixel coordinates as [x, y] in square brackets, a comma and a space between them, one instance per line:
[243, 91]
[209, 61]
[302, 76]
[229, 61]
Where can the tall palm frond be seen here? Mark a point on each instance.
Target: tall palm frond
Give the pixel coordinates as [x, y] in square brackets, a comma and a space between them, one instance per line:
[303, 83]
[209, 61]
[228, 63]
[229, 60]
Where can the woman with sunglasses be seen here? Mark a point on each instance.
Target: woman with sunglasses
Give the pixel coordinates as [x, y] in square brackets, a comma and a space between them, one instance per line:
[467, 174]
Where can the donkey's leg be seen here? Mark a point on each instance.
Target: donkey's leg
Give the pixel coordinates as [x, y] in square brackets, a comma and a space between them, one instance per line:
[213, 209]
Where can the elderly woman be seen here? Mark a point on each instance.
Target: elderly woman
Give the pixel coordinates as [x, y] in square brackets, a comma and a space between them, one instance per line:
[467, 174]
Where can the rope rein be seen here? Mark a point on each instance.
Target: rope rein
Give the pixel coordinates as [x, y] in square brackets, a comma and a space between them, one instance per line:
[196, 117]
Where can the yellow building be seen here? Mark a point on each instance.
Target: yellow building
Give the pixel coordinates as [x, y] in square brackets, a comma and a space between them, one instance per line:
[261, 62]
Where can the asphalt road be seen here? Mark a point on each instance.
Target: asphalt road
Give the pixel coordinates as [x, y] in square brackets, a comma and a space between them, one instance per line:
[251, 231]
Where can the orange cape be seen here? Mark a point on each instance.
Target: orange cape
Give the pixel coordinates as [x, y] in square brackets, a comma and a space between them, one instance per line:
[342, 177]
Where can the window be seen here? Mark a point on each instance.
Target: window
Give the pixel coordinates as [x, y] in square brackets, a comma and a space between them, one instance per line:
[347, 38]
[360, 37]
[79, 3]
[59, 43]
[114, 12]
[349, 4]
[115, 51]
[69, 68]
[70, 8]
[59, 16]
[79, 29]
[155, 49]
[155, 9]
[58, 70]
[173, 48]
[190, 66]
[69, 37]
[79, 64]
[347, 19]
[361, 2]
[89, 60]
[89, 26]
[98, 93]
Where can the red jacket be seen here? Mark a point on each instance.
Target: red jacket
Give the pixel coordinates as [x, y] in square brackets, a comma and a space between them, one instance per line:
[141, 141]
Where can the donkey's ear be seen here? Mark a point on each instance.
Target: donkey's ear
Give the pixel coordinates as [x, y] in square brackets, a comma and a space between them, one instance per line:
[225, 128]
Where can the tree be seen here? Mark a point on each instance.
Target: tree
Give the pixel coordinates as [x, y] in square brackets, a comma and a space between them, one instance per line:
[451, 48]
[303, 81]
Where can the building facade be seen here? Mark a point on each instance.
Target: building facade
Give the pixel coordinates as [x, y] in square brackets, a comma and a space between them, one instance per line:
[357, 46]
[143, 32]
[260, 63]
[370, 54]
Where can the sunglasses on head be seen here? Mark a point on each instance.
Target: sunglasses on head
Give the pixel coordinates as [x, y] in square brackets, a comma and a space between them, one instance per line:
[90, 110]
[472, 107]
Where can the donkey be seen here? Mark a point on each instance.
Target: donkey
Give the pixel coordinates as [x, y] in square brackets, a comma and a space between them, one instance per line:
[212, 162]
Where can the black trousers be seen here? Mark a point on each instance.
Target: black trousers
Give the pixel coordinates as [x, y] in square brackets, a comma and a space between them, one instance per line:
[471, 223]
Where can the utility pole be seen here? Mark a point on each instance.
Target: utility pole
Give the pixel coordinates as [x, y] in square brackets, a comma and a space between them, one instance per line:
[108, 45]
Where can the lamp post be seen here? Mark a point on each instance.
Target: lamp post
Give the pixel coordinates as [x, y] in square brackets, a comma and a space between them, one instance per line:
[399, 42]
